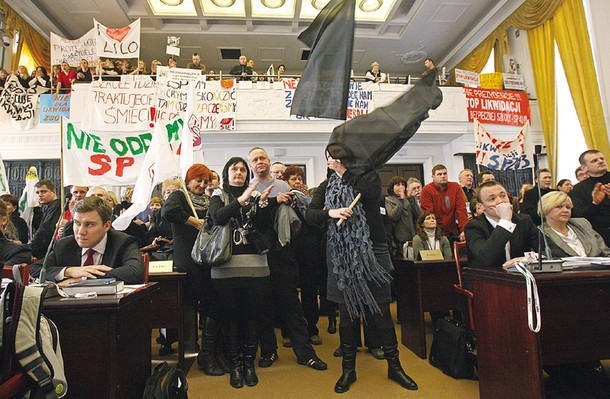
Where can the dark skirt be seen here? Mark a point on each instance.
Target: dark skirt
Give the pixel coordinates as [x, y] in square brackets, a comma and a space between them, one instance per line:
[382, 294]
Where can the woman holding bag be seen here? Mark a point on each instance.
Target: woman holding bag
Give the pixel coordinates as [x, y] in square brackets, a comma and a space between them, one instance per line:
[185, 227]
[242, 284]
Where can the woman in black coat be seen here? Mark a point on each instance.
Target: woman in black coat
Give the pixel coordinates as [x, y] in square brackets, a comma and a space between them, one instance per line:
[11, 253]
[185, 227]
[358, 264]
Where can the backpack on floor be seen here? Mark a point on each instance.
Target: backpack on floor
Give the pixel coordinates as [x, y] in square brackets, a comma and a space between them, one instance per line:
[36, 340]
[166, 383]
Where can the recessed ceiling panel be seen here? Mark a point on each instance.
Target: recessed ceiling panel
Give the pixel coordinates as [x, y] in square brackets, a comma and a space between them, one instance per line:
[449, 12]
[223, 8]
[165, 7]
[273, 8]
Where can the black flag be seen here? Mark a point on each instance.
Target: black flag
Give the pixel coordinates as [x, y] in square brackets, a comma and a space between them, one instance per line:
[367, 142]
[323, 89]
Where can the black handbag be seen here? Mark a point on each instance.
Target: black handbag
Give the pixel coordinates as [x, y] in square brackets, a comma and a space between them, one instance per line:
[453, 349]
[214, 245]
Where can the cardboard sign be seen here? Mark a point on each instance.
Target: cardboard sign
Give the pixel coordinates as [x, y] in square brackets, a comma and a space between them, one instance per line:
[431, 254]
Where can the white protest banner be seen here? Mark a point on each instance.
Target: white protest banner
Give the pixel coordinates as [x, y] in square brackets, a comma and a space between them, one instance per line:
[118, 105]
[467, 77]
[360, 100]
[72, 51]
[158, 164]
[215, 104]
[3, 180]
[18, 104]
[191, 147]
[172, 91]
[513, 81]
[502, 155]
[118, 42]
[108, 157]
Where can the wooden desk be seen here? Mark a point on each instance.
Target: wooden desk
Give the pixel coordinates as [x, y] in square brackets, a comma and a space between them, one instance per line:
[575, 327]
[422, 287]
[172, 309]
[105, 342]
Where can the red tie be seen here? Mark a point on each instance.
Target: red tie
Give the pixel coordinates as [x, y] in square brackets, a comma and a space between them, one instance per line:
[89, 260]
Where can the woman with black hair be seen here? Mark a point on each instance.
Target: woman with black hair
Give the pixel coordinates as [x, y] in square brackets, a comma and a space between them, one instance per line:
[10, 252]
[400, 213]
[358, 264]
[429, 237]
[242, 284]
[41, 78]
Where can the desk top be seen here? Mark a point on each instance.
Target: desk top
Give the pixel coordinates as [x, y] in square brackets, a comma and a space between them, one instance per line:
[426, 263]
[101, 301]
[543, 279]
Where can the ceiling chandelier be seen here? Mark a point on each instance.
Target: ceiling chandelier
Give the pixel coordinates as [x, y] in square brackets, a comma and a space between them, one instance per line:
[172, 3]
[273, 3]
[370, 5]
[223, 3]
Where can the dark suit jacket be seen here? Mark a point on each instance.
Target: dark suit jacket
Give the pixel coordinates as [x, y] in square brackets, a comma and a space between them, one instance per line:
[486, 245]
[13, 254]
[122, 254]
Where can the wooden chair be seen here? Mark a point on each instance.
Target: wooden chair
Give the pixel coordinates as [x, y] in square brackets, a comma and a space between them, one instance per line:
[24, 272]
[458, 288]
[146, 262]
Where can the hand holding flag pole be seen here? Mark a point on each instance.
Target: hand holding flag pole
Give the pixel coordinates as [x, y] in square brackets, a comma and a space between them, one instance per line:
[350, 207]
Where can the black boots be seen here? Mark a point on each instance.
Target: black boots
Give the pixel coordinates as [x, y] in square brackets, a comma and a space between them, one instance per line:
[348, 352]
[206, 359]
[248, 354]
[390, 350]
[332, 324]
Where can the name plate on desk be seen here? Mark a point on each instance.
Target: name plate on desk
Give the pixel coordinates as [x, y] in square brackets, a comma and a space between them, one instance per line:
[430, 254]
[161, 266]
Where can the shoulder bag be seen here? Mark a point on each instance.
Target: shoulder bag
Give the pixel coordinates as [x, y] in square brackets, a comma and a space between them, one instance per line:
[214, 244]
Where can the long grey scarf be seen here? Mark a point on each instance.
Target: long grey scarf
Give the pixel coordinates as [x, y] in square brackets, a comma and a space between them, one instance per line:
[351, 254]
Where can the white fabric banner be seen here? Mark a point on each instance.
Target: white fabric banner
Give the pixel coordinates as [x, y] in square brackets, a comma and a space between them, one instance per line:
[3, 180]
[29, 199]
[503, 155]
[118, 105]
[18, 104]
[112, 158]
[73, 51]
[118, 42]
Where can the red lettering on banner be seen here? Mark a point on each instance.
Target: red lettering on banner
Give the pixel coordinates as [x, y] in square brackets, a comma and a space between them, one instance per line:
[103, 161]
[122, 163]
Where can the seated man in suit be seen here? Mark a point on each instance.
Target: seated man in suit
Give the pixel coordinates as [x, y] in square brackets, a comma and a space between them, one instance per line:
[95, 250]
[498, 235]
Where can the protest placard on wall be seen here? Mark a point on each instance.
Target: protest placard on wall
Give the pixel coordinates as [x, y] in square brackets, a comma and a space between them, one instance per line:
[122, 105]
[53, 107]
[500, 154]
[216, 104]
[467, 77]
[513, 81]
[360, 100]
[118, 42]
[72, 51]
[18, 104]
[172, 91]
[109, 157]
[491, 80]
[502, 107]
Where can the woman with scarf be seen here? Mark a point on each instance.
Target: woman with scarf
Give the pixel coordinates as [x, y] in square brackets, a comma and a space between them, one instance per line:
[429, 237]
[185, 227]
[242, 284]
[358, 264]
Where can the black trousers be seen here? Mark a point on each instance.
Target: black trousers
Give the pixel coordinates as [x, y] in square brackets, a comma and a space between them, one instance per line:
[309, 280]
[284, 281]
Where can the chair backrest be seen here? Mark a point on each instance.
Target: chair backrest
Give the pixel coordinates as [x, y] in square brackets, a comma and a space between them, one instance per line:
[146, 262]
[24, 273]
[458, 246]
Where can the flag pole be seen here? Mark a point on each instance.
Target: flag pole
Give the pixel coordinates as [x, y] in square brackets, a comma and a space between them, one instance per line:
[188, 198]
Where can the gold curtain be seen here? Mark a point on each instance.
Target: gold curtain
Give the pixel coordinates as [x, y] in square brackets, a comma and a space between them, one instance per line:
[542, 55]
[533, 13]
[572, 37]
[37, 44]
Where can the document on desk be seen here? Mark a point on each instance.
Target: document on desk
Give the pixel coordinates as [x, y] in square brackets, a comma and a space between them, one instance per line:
[586, 262]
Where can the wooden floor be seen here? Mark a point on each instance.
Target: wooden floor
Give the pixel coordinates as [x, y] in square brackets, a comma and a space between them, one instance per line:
[287, 379]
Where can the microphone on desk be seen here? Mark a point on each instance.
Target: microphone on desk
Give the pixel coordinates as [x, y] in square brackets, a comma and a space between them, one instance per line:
[43, 270]
[541, 235]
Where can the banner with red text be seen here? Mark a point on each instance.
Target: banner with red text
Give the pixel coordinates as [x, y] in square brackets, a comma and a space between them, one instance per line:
[502, 155]
[109, 157]
[501, 107]
[118, 105]
[118, 42]
[72, 51]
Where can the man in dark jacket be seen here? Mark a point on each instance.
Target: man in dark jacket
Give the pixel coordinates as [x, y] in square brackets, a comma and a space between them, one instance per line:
[51, 208]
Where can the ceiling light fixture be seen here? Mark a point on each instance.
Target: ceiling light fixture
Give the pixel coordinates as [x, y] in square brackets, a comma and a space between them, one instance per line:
[319, 4]
[273, 4]
[172, 3]
[223, 3]
[370, 5]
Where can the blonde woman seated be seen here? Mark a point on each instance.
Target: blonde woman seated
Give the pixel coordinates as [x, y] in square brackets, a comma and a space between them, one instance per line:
[428, 236]
[569, 236]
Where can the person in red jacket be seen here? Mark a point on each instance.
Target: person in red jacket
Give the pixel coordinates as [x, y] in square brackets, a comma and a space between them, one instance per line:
[448, 202]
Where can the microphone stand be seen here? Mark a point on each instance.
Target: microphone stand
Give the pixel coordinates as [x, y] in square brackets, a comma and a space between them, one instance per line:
[43, 269]
[541, 235]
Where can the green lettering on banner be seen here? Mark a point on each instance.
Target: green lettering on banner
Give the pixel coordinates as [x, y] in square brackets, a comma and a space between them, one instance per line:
[72, 136]
[83, 141]
[97, 144]
[172, 130]
[119, 147]
[146, 139]
[135, 145]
